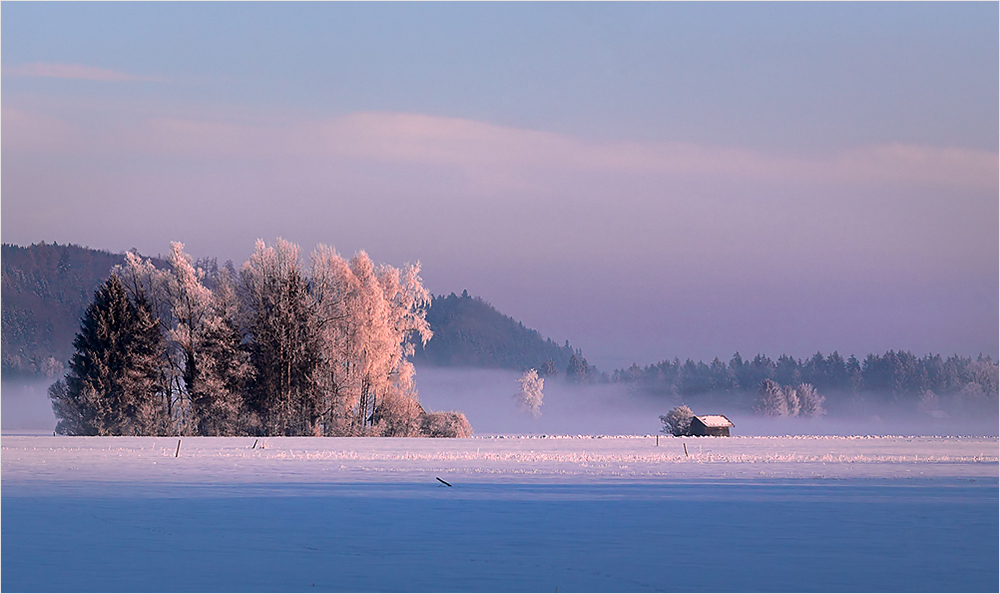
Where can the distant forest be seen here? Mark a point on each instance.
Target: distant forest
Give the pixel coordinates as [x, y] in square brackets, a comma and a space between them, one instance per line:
[896, 377]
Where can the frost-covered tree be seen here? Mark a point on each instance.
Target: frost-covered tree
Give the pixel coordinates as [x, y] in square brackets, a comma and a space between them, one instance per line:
[224, 369]
[528, 397]
[678, 421]
[276, 349]
[775, 400]
[277, 314]
[811, 403]
[113, 385]
[190, 324]
[142, 279]
[445, 424]
[792, 402]
[771, 399]
[365, 315]
[190, 302]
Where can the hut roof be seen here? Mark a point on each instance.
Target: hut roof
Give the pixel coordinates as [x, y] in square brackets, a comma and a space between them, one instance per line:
[715, 421]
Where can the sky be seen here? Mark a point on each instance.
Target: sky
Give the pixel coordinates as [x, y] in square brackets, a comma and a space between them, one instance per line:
[645, 180]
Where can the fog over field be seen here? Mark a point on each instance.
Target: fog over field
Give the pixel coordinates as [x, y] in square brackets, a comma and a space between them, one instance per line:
[486, 397]
[25, 406]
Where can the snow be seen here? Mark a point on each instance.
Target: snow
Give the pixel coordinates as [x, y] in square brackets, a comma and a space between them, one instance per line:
[57, 462]
[525, 513]
[715, 421]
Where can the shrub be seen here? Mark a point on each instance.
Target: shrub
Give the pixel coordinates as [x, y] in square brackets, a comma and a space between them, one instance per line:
[678, 421]
[445, 424]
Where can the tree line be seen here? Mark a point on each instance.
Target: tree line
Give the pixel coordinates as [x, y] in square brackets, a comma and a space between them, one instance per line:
[895, 376]
[276, 348]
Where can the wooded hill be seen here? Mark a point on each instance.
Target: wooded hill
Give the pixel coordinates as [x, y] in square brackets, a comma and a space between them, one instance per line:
[469, 332]
[47, 287]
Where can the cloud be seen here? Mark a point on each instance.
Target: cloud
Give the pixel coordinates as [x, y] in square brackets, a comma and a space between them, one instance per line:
[486, 150]
[498, 157]
[73, 71]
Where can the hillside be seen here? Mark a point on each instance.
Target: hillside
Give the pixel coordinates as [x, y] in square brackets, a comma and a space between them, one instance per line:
[469, 332]
[47, 287]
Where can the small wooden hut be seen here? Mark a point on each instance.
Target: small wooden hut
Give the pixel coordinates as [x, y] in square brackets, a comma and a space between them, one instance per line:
[717, 425]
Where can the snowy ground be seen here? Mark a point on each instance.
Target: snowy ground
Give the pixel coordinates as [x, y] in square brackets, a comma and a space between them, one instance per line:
[522, 514]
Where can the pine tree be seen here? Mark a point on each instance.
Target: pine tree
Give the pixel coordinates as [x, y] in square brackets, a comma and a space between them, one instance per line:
[578, 371]
[112, 387]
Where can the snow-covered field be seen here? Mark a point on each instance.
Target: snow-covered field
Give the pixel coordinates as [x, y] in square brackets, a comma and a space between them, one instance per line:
[521, 514]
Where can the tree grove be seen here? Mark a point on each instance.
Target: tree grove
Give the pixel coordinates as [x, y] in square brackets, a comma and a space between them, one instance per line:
[276, 348]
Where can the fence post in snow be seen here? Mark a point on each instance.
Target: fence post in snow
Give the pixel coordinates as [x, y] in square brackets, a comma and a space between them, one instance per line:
[685, 449]
[178, 452]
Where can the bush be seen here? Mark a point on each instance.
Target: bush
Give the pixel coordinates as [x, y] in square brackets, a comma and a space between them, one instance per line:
[677, 422]
[444, 424]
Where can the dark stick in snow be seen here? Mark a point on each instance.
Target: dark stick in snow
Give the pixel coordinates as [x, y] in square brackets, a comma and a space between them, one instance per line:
[685, 450]
[443, 481]
[178, 452]
[254, 444]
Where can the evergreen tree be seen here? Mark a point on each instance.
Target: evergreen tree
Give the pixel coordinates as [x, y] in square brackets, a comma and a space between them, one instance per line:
[112, 387]
[578, 371]
[548, 369]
